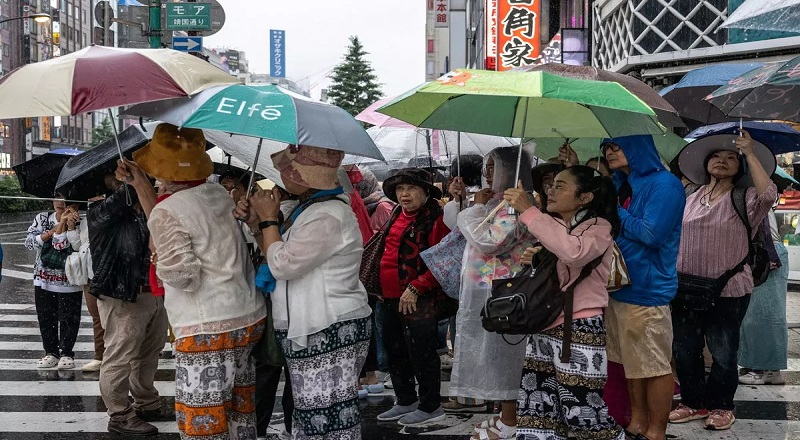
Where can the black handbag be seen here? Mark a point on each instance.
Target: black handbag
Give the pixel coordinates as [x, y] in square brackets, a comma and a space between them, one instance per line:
[533, 300]
[701, 293]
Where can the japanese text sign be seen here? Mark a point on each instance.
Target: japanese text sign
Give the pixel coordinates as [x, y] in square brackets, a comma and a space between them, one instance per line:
[442, 9]
[189, 16]
[277, 53]
[517, 27]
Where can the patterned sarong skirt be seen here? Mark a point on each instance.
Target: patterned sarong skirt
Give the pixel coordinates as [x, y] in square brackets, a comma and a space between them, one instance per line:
[215, 384]
[324, 379]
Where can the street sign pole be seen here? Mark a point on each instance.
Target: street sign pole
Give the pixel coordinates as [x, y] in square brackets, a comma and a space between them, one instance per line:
[155, 24]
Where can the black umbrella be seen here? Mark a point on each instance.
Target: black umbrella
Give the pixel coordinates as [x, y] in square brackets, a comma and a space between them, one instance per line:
[38, 176]
[82, 176]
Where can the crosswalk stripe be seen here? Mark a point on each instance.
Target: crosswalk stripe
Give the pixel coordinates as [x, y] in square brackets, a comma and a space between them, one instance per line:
[16, 273]
[79, 346]
[34, 331]
[32, 318]
[29, 364]
[64, 422]
[18, 307]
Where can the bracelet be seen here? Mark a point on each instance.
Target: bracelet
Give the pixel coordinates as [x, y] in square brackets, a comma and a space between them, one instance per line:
[413, 290]
[267, 223]
[153, 258]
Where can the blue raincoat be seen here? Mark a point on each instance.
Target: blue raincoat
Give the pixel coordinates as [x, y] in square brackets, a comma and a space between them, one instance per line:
[651, 225]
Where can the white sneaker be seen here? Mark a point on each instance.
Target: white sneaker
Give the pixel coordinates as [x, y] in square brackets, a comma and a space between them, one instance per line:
[48, 361]
[92, 366]
[762, 378]
[283, 435]
[66, 363]
[388, 382]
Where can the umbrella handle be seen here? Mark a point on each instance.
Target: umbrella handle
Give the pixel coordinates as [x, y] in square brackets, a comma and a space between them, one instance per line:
[512, 211]
[253, 171]
[128, 199]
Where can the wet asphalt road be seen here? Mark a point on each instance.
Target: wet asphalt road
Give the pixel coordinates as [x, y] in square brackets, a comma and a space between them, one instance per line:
[37, 404]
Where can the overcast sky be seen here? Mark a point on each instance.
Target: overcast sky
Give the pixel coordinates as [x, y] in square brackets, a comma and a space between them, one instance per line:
[317, 32]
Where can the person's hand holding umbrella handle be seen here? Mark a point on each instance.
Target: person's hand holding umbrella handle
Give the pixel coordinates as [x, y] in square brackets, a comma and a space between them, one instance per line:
[567, 155]
[128, 172]
[756, 171]
[518, 198]
[267, 206]
[457, 189]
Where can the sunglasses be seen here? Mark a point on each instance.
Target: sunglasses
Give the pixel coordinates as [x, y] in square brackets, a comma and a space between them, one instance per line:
[609, 146]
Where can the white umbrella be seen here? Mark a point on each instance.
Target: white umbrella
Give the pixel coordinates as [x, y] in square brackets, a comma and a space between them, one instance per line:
[773, 15]
[400, 145]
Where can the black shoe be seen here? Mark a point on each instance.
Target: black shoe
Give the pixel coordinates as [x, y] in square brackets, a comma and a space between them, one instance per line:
[133, 426]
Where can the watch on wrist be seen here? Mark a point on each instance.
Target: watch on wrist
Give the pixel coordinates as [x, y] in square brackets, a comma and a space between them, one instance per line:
[267, 223]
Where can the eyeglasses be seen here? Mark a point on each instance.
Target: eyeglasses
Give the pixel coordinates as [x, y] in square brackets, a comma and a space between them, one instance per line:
[609, 146]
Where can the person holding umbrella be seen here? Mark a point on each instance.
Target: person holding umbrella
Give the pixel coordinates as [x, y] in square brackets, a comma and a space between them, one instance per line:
[215, 312]
[715, 245]
[321, 314]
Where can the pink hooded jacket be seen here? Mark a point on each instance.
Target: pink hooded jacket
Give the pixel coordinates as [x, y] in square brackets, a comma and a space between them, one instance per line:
[575, 249]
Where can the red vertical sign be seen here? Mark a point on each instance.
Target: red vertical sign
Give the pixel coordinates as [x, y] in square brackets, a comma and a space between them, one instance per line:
[518, 33]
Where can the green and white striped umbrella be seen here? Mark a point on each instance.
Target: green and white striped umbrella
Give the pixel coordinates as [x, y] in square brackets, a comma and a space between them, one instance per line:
[265, 111]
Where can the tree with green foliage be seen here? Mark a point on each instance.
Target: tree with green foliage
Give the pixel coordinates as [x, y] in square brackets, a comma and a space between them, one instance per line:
[9, 186]
[102, 133]
[354, 85]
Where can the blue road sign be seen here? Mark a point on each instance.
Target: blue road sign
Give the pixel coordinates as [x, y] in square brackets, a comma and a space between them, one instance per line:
[187, 44]
[277, 53]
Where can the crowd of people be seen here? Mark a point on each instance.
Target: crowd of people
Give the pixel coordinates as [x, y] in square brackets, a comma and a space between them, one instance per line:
[252, 286]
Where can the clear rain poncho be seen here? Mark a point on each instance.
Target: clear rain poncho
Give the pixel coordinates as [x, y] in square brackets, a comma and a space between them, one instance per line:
[485, 365]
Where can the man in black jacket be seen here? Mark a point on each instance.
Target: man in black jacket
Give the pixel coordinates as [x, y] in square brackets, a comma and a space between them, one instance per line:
[134, 320]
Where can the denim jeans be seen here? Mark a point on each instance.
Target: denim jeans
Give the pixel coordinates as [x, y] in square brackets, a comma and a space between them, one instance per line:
[719, 329]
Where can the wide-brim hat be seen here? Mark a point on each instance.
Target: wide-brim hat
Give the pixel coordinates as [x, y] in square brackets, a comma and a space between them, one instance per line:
[691, 160]
[410, 176]
[312, 167]
[175, 154]
[539, 171]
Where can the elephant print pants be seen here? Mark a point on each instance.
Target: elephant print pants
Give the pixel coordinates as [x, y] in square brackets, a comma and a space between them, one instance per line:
[215, 384]
[556, 398]
[324, 378]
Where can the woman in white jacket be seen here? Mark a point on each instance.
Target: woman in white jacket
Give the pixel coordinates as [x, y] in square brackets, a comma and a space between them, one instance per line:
[214, 309]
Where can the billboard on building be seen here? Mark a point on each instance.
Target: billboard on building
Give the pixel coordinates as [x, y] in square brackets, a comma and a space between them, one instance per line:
[233, 61]
[491, 34]
[277, 53]
[442, 13]
[512, 33]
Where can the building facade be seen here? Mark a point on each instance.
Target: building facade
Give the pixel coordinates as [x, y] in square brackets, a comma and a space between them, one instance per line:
[661, 40]
[506, 34]
[25, 41]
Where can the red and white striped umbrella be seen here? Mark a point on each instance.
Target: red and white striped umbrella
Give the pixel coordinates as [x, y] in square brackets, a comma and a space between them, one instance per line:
[99, 77]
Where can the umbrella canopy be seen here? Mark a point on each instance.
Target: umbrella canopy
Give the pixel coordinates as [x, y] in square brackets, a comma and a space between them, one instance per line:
[38, 176]
[244, 149]
[82, 176]
[265, 111]
[688, 93]
[669, 145]
[371, 116]
[666, 113]
[769, 92]
[99, 77]
[401, 144]
[772, 15]
[783, 180]
[778, 137]
[524, 104]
